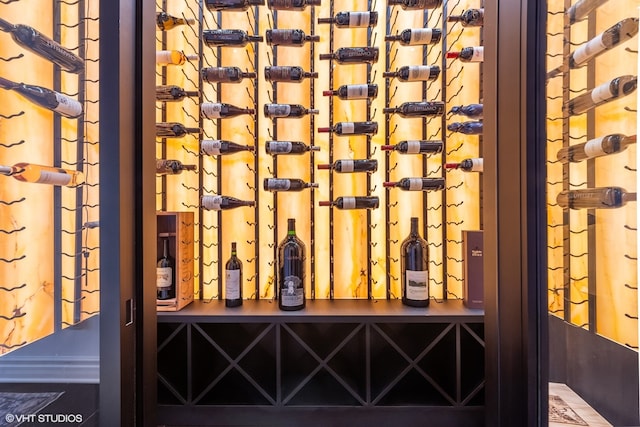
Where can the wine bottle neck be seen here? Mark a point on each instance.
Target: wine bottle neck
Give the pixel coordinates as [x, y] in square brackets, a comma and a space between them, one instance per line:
[454, 18]
[392, 38]
[414, 227]
[6, 170]
[291, 227]
[629, 197]
[7, 84]
[165, 250]
[6, 26]
[453, 55]
[233, 249]
[325, 20]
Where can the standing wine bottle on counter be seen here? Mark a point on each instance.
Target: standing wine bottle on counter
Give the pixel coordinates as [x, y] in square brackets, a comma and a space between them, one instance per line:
[353, 202]
[352, 19]
[231, 5]
[221, 110]
[218, 203]
[228, 38]
[582, 8]
[416, 4]
[274, 111]
[595, 198]
[220, 147]
[606, 92]
[47, 98]
[291, 270]
[467, 165]
[349, 92]
[173, 57]
[225, 75]
[468, 54]
[280, 37]
[165, 22]
[609, 144]
[414, 73]
[414, 265]
[173, 130]
[416, 36]
[469, 18]
[286, 184]
[417, 109]
[287, 73]
[352, 128]
[473, 111]
[417, 184]
[467, 128]
[298, 5]
[36, 42]
[172, 167]
[39, 174]
[276, 148]
[350, 166]
[165, 273]
[233, 279]
[416, 147]
[353, 55]
[172, 93]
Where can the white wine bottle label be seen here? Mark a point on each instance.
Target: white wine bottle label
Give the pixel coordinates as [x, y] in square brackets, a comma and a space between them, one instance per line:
[212, 203]
[421, 36]
[278, 184]
[416, 285]
[163, 57]
[279, 146]
[478, 54]
[357, 92]
[346, 166]
[232, 284]
[477, 165]
[348, 203]
[359, 19]
[211, 147]
[589, 50]
[54, 178]
[278, 110]
[348, 127]
[211, 110]
[415, 184]
[601, 93]
[419, 73]
[291, 293]
[593, 148]
[67, 106]
[413, 147]
[163, 277]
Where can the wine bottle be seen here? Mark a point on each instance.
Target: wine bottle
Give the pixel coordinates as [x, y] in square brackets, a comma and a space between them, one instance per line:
[363, 91]
[220, 110]
[468, 128]
[417, 109]
[415, 147]
[352, 19]
[606, 92]
[225, 75]
[173, 57]
[352, 128]
[414, 267]
[165, 22]
[595, 198]
[473, 111]
[291, 270]
[467, 165]
[469, 18]
[275, 148]
[609, 144]
[172, 93]
[228, 38]
[350, 166]
[416, 4]
[417, 184]
[280, 37]
[165, 274]
[286, 184]
[219, 147]
[47, 98]
[274, 111]
[33, 40]
[173, 130]
[39, 174]
[468, 54]
[291, 4]
[172, 167]
[353, 55]
[416, 36]
[414, 73]
[582, 8]
[287, 73]
[233, 279]
[353, 202]
[217, 203]
[231, 5]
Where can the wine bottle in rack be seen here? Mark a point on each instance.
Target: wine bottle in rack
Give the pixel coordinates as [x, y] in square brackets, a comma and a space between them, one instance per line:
[606, 92]
[609, 144]
[228, 38]
[281, 37]
[173, 57]
[415, 147]
[416, 4]
[213, 147]
[276, 148]
[298, 5]
[352, 19]
[353, 55]
[173, 130]
[231, 5]
[165, 22]
[172, 167]
[414, 73]
[416, 36]
[296, 111]
[173, 93]
[348, 92]
[219, 203]
[225, 74]
[291, 270]
[165, 273]
[351, 128]
[287, 184]
[467, 165]
[582, 8]
[469, 18]
[287, 73]
[467, 128]
[233, 279]
[417, 109]
[468, 54]
[417, 184]
[221, 110]
[353, 202]
[39, 174]
[351, 166]
[414, 267]
[33, 40]
[47, 98]
[595, 198]
[472, 111]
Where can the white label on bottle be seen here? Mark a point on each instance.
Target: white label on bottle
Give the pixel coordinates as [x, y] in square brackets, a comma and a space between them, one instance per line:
[67, 106]
[419, 72]
[359, 19]
[54, 178]
[478, 54]
[346, 166]
[211, 110]
[212, 202]
[601, 93]
[416, 285]
[420, 36]
[163, 57]
[280, 146]
[211, 147]
[477, 165]
[163, 277]
[413, 147]
[291, 293]
[348, 127]
[415, 184]
[589, 50]
[593, 148]
[232, 284]
[278, 184]
[278, 110]
[357, 92]
[348, 203]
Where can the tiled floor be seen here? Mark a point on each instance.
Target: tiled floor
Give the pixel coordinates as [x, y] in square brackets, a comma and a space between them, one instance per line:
[567, 409]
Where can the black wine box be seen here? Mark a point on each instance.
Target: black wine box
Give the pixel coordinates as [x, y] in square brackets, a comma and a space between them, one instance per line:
[473, 262]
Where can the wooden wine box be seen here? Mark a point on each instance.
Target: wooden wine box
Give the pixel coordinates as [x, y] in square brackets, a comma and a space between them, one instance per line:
[178, 228]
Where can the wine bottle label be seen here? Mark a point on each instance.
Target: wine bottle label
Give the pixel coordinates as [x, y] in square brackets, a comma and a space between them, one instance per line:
[420, 36]
[282, 37]
[477, 55]
[67, 106]
[413, 147]
[348, 127]
[279, 147]
[415, 184]
[215, 74]
[417, 285]
[224, 36]
[164, 57]
[346, 166]
[232, 284]
[348, 203]
[211, 147]
[601, 93]
[359, 19]
[54, 178]
[211, 110]
[429, 108]
[212, 202]
[357, 92]
[593, 148]
[278, 110]
[477, 165]
[291, 293]
[419, 73]
[589, 50]
[278, 184]
[163, 277]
